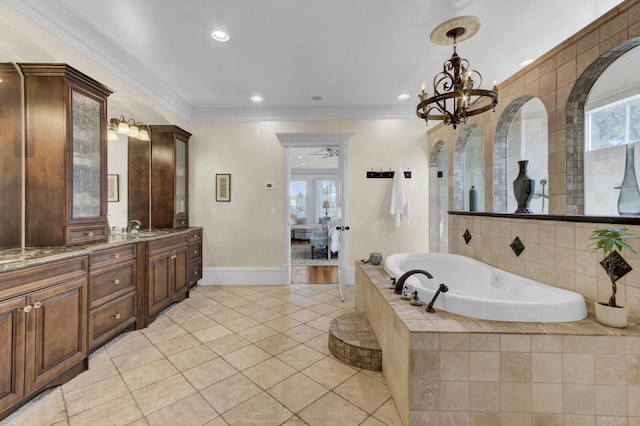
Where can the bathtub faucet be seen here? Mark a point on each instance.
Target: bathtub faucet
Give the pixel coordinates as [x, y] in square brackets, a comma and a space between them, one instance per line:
[400, 281]
[442, 289]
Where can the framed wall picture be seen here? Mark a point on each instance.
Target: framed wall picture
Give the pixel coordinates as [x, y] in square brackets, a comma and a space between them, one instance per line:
[223, 187]
[113, 188]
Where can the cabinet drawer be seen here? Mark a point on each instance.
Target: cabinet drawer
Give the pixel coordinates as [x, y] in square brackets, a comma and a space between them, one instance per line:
[111, 282]
[86, 234]
[195, 251]
[181, 222]
[110, 319]
[195, 271]
[195, 235]
[164, 244]
[114, 256]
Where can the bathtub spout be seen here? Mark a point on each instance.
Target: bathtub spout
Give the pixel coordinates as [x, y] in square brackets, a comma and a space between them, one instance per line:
[400, 281]
[442, 289]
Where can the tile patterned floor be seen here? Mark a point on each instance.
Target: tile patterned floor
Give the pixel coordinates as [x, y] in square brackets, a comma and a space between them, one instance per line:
[225, 356]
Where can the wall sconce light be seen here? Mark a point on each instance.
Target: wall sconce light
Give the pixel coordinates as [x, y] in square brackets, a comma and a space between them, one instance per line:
[131, 128]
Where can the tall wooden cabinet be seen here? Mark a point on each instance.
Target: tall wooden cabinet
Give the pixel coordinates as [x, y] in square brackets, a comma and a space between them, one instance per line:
[169, 177]
[158, 185]
[66, 156]
[11, 124]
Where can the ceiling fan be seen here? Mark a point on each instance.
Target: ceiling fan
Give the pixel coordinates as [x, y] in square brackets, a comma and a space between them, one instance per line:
[327, 152]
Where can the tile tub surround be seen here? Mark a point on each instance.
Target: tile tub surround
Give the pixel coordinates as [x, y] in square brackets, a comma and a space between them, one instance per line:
[227, 355]
[556, 252]
[446, 369]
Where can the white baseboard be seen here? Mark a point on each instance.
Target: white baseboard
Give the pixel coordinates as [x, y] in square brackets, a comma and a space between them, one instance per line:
[252, 276]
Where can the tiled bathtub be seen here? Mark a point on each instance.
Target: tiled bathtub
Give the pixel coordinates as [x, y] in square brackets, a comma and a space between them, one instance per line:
[445, 369]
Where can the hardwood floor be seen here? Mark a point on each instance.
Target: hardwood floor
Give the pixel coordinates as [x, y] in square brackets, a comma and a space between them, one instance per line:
[313, 274]
[321, 274]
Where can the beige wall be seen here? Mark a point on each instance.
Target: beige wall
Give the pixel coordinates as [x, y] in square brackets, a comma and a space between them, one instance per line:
[244, 233]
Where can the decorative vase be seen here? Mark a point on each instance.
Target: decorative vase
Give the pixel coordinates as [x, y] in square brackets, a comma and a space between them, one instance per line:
[473, 199]
[629, 197]
[523, 188]
[375, 258]
[612, 316]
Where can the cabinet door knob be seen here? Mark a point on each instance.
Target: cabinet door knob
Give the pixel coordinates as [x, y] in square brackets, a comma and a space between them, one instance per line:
[116, 281]
[116, 255]
[117, 316]
[90, 234]
[195, 252]
[195, 272]
[37, 305]
[27, 308]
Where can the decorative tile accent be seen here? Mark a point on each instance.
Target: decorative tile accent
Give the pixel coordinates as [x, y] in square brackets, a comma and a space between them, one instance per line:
[620, 266]
[517, 246]
[466, 236]
[352, 341]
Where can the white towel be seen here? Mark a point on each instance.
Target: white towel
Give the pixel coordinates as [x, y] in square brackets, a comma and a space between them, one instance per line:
[399, 198]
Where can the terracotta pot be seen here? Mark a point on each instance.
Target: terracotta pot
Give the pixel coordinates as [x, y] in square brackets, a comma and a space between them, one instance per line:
[611, 316]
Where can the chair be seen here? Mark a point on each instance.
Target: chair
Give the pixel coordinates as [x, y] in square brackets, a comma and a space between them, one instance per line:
[319, 239]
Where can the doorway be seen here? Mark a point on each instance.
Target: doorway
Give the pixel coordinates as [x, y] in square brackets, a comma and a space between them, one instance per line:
[316, 212]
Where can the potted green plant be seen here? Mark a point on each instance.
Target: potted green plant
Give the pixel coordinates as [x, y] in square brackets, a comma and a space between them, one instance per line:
[611, 242]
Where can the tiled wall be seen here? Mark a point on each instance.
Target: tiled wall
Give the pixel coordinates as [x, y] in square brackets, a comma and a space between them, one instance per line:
[556, 253]
[513, 379]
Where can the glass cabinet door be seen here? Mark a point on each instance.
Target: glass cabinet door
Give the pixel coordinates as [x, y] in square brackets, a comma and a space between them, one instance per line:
[181, 176]
[86, 146]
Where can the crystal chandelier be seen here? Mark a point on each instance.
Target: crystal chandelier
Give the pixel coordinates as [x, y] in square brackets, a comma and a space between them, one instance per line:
[456, 90]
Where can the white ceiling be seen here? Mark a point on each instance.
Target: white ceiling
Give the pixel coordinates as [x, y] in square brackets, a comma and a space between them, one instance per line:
[358, 55]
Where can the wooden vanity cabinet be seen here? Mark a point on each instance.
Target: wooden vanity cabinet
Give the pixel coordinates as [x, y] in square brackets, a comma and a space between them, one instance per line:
[66, 156]
[166, 276]
[43, 311]
[169, 177]
[112, 293]
[195, 257]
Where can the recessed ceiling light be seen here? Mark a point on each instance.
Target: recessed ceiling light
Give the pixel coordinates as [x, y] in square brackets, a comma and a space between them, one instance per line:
[525, 62]
[316, 98]
[302, 164]
[256, 98]
[404, 96]
[300, 157]
[220, 36]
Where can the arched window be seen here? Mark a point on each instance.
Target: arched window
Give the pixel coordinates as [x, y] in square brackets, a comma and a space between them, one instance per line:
[527, 140]
[612, 122]
[468, 164]
[521, 134]
[439, 199]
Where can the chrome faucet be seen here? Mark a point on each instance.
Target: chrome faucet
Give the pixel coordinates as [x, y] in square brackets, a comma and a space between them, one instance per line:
[133, 224]
[403, 278]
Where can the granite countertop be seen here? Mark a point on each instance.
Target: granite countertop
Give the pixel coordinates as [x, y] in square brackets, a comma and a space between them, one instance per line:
[16, 258]
[417, 320]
